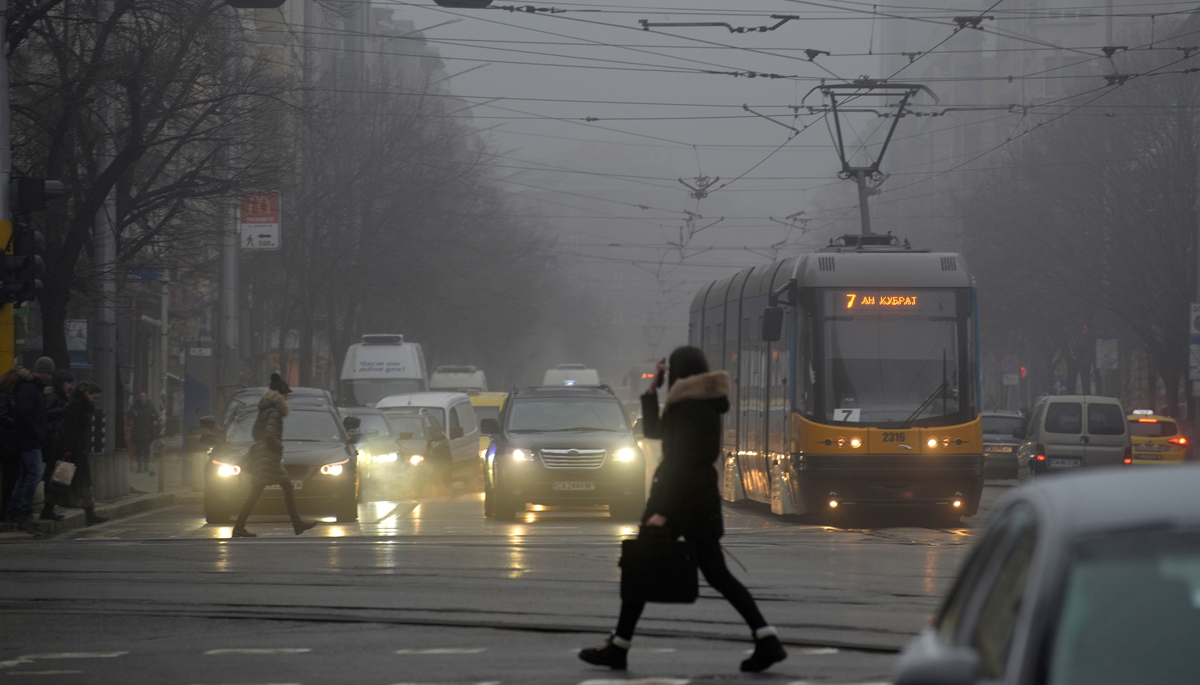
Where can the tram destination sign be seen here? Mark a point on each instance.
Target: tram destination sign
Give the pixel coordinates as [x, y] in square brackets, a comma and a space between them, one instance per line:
[882, 300]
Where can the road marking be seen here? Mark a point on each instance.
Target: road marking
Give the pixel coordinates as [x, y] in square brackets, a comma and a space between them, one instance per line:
[44, 672]
[281, 650]
[250, 684]
[444, 650]
[643, 650]
[75, 655]
[813, 682]
[819, 651]
[485, 682]
[637, 681]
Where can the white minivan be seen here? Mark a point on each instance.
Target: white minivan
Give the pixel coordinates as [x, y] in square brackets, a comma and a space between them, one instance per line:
[458, 379]
[1073, 431]
[379, 366]
[455, 415]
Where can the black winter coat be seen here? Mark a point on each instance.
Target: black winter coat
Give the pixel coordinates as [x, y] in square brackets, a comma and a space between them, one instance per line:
[685, 489]
[266, 456]
[29, 411]
[56, 409]
[145, 422]
[8, 426]
[76, 439]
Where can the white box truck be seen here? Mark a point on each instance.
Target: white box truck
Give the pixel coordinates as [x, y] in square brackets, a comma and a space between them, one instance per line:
[379, 366]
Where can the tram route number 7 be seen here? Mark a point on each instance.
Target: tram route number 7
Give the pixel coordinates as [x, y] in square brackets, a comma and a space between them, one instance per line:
[850, 415]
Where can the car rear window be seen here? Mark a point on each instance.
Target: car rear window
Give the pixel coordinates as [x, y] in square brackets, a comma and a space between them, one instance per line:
[1152, 428]
[1105, 419]
[1064, 417]
[1002, 425]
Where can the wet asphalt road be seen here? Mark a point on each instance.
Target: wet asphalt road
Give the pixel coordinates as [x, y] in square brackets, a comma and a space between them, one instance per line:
[429, 591]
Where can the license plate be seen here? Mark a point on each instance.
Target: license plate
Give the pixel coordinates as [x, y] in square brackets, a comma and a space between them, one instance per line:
[1147, 456]
[997, 448]
[1066, 463]
[296, 485]
[574, 485]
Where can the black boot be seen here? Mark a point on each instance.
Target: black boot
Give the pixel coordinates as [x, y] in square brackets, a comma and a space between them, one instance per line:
[91, 518]
[240, 532]
[49, 515]
[767, 651]
[302, 526]
[607, 654]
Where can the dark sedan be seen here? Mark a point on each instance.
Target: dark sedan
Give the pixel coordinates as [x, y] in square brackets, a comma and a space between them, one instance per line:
[1087, 580]
[318, 454]
[1001, 444]
[408, 454]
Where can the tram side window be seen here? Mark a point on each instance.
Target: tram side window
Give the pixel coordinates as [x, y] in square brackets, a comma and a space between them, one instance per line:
[805, 373]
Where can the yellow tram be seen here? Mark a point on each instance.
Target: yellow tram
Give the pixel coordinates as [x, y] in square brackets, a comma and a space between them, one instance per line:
[855, 378]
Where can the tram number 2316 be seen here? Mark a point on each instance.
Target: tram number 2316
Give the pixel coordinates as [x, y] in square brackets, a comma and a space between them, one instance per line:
[893, 437]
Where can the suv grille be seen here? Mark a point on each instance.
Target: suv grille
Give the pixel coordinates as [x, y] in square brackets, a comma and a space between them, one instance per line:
[573, 459]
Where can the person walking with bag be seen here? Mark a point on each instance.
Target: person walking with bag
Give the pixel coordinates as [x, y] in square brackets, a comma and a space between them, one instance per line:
[74, 448]
[265, 460]
[32, 437]
[685, 500]
[58, 397]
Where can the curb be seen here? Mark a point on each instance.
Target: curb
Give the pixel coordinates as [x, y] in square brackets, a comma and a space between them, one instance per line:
[121, 508]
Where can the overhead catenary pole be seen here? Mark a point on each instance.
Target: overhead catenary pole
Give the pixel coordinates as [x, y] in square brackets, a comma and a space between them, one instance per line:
[104, 238]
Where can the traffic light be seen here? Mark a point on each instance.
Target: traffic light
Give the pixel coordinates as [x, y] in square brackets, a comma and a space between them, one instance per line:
[255, 4]
[464, 4]
[22, 264]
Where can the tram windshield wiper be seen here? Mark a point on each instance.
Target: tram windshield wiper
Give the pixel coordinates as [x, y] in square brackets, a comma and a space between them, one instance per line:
[928, 401]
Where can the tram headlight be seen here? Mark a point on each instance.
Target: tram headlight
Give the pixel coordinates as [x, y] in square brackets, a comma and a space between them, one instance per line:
[841, 442]
[855, 443]
[932, 442]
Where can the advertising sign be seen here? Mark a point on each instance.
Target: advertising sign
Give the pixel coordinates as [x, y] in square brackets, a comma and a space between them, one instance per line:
[259, 221]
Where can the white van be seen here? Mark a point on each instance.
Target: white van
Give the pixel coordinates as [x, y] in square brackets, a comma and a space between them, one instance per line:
[1071, 432]
[458, 379]
[456, 416]
[571, 374]
[379, 366]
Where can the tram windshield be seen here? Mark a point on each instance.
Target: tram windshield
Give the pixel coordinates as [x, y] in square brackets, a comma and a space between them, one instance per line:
[891, 357]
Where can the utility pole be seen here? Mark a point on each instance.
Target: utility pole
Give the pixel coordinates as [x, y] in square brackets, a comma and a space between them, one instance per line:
[104, 238]
[8, 347]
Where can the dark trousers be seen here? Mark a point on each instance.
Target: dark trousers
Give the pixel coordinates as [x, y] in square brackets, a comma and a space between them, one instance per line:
[141, 454]
[256, 487]
[10, 468]
[711, 561]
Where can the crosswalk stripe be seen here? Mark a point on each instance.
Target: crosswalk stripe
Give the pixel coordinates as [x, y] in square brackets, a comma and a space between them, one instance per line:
[637, 681]
[444, 650]
[259, 650]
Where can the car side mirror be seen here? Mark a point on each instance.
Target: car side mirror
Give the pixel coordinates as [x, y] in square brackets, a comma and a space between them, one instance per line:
[208, 422]
[456, 432]
[929, 661]
[352, 423]
[772, 324]
[407, 435]
[489, 427]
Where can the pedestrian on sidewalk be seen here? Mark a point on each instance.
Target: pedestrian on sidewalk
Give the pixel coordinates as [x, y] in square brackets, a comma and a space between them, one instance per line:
[58, 396]
[75, 447]
[144, 431]
[265, 460]
[684, 499]
[32, 437]
[10, 459]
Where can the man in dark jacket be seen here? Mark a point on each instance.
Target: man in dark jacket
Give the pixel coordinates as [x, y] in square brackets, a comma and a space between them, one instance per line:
[32, 438]
[144, 430]
[685, 499]
[265, 461]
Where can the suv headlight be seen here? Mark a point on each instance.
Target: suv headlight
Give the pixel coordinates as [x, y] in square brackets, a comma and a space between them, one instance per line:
[522, 455]
[227, 470]
[625, 454]
[416, 459]
[334, 469]
[388, 457]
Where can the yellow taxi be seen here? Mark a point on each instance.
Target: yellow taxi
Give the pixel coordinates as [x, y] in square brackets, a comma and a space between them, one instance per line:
[1155, 439]
[487, 405]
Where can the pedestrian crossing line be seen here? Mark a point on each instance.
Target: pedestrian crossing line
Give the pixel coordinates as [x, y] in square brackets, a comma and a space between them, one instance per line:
[813, 682]
[258, 650]
[637, 681]
[812, 651]
[444, 650]
[245, 683]
[30, 658]
[44, 672]
[637, 650]
[484, 682]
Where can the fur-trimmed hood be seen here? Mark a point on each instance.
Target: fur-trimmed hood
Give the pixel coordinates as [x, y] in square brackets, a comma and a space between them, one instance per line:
[271, 397]
[703, 386]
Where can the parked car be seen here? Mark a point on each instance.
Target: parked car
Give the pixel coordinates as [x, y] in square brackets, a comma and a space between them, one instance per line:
[1073, 431]
[456, 418]
[562, 446]
[1089, 580]
[1001, 442]
[1155, 440]
[318, 453]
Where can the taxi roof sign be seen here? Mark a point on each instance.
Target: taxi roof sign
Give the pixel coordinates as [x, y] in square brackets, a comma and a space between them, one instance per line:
[1143, 412]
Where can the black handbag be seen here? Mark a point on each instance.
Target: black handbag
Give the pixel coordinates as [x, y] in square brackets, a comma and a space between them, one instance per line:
[658, 567]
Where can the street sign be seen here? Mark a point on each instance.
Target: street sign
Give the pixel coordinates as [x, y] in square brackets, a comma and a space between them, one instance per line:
[259, 221]
[1012, 379]
[142, 275]
[1010, 364]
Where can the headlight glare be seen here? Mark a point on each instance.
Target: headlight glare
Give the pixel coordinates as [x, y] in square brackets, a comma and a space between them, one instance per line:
[416, 459]
[386, 458]
[625, 454]
[228, 470]
[522, 455]
[334, 469]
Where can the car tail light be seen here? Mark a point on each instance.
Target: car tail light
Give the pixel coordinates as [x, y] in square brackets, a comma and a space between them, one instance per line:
[1041, 453]
[1128, 455]
[1181, 441]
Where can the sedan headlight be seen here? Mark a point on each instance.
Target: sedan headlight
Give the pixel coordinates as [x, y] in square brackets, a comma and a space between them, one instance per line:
[334, 469]
[386, 458]
[625, 454]
[227, 470]
[416, 459]
[522, 455]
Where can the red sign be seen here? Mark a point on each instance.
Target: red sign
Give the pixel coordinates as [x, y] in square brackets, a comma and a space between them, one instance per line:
[260, 208]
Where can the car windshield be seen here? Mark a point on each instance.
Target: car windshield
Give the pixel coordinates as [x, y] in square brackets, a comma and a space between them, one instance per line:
[1152, 428]
[487, 413]
[366, 392]
[397, 413]
[561, 414]
[1002, 425]
[373, 422]
[410, 423]
[301, 426]
[1131, 611]
[890, 358]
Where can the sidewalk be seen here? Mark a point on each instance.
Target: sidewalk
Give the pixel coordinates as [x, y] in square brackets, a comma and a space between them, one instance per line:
[143, 496]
